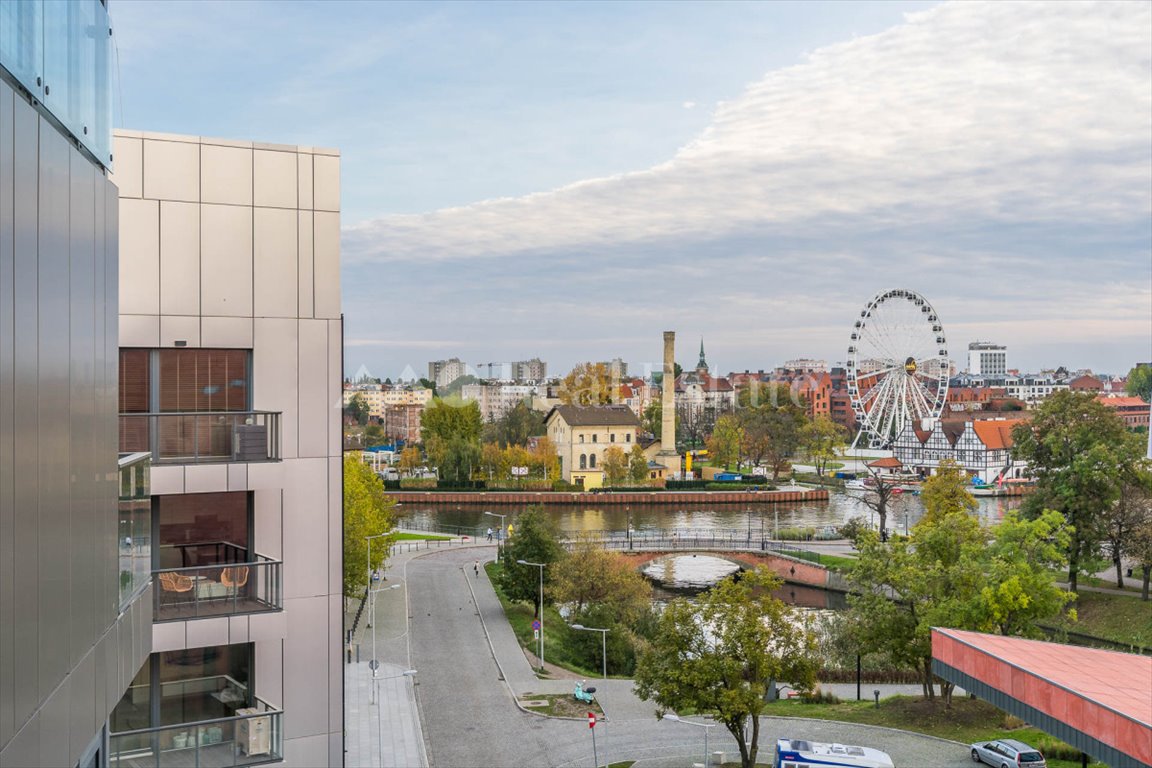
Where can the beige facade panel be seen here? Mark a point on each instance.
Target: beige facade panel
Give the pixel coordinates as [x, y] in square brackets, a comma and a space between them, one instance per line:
[304, 180]
[226, 260]
[205, 478]
[268, 522]
[139, 330]
[306, 529]
[179, 258]
[171, 170]
[128, 167]
[306, 699]
[314, 382]
[205, 632]
[139, 257]
[336, 526]
[263, 477]
[237, 477]
[274, 378]
[326, 183]
[274, 179]
[226, 332]
[307, 287]
[167, 480]
[267, 626]
[177, 328]
[335, 393]
[225, 175]
[169, 636]
[275, 261]
[326, 259]
[270, 671]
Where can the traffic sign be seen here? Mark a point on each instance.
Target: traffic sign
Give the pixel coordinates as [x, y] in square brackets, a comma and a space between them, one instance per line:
[535, 634]
[591, 719]
[535, 623]
[374, 665]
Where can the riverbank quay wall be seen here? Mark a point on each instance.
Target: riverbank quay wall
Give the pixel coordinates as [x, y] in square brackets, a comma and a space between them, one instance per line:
[637, 498]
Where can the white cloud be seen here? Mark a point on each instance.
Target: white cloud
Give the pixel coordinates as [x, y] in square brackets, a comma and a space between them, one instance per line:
[689, 105]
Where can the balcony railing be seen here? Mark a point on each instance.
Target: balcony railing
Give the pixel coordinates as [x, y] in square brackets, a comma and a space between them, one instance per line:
[204, 436]
[219, 589]
[252, 736]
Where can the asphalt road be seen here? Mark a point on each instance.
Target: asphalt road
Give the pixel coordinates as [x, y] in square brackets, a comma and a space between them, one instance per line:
[470, 719]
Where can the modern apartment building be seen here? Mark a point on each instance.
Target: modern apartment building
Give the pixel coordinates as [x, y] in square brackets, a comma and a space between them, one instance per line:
[75, 587]
[230, 378]
[987, 359]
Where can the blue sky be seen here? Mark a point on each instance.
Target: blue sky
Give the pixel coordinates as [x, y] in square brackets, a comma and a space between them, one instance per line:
[569, 179]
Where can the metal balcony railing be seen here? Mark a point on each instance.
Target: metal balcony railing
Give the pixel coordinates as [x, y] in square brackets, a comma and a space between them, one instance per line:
[204, 436]
[252, 736]
[219, 589]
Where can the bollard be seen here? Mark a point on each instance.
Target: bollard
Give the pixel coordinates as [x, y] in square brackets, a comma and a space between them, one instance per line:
[876, 694]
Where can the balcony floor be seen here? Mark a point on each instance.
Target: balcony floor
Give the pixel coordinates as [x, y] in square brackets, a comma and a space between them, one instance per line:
[182, 611]
[222, 755]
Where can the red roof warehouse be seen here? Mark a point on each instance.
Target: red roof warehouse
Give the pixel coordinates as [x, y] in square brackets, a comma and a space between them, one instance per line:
[1098, 701]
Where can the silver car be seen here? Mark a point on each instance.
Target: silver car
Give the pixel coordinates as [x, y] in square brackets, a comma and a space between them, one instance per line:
[1007, 753]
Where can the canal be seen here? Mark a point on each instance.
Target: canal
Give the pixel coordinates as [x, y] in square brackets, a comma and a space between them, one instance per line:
[840, 507]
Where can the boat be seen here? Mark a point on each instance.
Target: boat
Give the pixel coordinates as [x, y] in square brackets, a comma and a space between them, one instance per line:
[798, 753]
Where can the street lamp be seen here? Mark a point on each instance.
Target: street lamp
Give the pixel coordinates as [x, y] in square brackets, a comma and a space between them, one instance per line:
[369, 539]
[603, 643]
[541, 566]
[375, 695]
[500, 533]
[705, 726]
[372, 617]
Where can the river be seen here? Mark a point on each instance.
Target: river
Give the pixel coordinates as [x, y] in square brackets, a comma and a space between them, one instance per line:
[840, 506]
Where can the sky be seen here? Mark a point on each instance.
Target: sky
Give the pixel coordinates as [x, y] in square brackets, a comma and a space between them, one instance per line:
[568, 180]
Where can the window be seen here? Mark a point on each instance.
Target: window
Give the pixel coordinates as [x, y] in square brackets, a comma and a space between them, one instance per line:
[202, 529]
[592, 461]
[583, 461]
[628, 437]
[135, 527]
[581, 437]
[611, 438]
[594, 436]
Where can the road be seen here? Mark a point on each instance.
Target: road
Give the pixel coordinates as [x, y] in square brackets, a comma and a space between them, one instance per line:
[471, 669]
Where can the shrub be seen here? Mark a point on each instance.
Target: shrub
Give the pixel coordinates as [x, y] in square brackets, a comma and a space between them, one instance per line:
[854, 528]
[417, 483]
[797, 534]
[564, 485]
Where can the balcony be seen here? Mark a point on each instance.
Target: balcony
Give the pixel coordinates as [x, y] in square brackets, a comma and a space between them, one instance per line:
[199, 437]
[233, 583]
[252, 734]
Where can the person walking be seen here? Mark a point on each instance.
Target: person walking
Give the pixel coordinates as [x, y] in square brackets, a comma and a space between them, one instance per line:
[489, 534]
[476, 568]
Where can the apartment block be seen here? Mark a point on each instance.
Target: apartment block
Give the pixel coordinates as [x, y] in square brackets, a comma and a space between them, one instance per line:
[75, 581]
[229, 357]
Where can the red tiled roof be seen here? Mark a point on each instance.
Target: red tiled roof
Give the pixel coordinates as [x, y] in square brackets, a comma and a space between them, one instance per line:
[888, 462]
[996, 435]
[1122, 402]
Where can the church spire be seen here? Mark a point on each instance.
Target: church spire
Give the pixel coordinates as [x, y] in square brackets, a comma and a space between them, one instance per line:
[702, 364]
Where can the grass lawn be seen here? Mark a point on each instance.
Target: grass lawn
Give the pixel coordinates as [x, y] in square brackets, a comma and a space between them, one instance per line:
[419, 537]
[558, 705]
[968, 721]
[1119, 618]
[836, 562]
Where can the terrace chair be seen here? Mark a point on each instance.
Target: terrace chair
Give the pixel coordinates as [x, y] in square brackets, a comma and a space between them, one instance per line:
[175, 583]
[234, 577]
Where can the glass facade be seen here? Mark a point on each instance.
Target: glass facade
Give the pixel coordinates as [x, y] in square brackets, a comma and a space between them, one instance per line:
[60, 52]
[135, 525]
[203, 529]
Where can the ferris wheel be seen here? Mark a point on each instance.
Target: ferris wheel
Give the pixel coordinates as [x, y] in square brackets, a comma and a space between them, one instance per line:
[897, 366]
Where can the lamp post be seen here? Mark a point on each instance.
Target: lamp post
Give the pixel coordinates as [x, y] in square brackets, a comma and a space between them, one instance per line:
[375, 664]
[541, 566]
[603, 643]
[705, 726]
[500, 533]
[776, 513]
[375, 697]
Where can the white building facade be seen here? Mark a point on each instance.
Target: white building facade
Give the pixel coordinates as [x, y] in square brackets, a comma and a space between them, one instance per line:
[230, 354]
[987, 359]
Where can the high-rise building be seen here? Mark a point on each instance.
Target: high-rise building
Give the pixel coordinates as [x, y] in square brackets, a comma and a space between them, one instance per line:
[444, 372]
[75, 588]
[230, 377]
[987, 359]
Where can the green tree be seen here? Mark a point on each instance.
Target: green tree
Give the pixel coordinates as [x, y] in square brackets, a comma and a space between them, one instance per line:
[588, 384]
[653, 418]
[946, 492]
[357, 408]
[1080, 452]
[725, 441]
[823, 440]
[450, 430]
[518, 423]
[637, 466]
[1139, 383]
[1132, 507]
[428, 384]
[1140, 550]
[615, 466]
[367, 512]
[772, 425]
[592, 576]
[535, 539]
[721, 654]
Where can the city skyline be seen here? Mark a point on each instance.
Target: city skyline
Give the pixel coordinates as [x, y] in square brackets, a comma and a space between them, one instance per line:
[1004, 176]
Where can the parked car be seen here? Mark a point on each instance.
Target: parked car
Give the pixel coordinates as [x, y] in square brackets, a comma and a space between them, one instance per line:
[1007, 753]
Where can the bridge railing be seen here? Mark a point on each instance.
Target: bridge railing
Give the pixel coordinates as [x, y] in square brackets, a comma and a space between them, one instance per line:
[688, 539]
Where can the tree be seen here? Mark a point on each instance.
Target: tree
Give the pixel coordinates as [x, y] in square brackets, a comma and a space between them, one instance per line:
[518, 423]
[823, 440]
[545, 459]
[593, 576]
[725, 441]
[615, 466]
[722, 653]
[428, 384]
[535, 539]
[1131, 509]
[694, 422]
[357, 409]
[367, 512]
[410, 459]
[637, 466]
[450, 430]
[653, 418]
[879, 495]
[1079, 452]
[946, 492]
[1139, 382]
[587, 384]
[1140, 550]
[772, 425]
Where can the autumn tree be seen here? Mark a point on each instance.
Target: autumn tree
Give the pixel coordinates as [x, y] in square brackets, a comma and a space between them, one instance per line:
[772, 425]
[544, 459]
[368, 511]
[823, 440]
[591, 576]
[1080, 452]
[637, 466]
[615, 466]
[721, 653]
[725, 441]
[410, 459]
[946, 492]
[588, 384]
